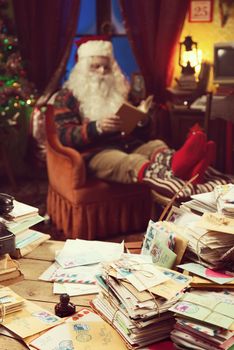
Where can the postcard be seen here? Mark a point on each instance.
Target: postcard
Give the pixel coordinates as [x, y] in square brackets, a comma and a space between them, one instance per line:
[75, 289]
[200, 270]
[90, 252]
[161, 254]
[83, 330]
[206, 308]
[79, 274]
[142, 276]
[94, 335]
[30, 320]
[157, 230]
[172, 287]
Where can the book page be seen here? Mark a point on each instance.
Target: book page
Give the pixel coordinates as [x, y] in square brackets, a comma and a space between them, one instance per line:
[130, 116]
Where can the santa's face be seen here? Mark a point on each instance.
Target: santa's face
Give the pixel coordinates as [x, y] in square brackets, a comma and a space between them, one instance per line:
[99, 86]
[99, 78]
[100, 65]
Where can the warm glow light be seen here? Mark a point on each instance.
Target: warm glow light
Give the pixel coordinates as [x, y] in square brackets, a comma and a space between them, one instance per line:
[194, 58]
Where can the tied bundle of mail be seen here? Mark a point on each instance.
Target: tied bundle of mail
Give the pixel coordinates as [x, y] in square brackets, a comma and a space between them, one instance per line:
[210, 239]
[135, 297]
[220, 200]
[224, 195]
[9, 302]
[204, 320]
[22, 317]
[219, 237]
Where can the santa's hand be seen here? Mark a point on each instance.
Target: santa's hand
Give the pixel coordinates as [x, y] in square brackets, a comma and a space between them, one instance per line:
[109, 124]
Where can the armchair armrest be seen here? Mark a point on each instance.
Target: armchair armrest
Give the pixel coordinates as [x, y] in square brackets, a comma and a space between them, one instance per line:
[65, 165]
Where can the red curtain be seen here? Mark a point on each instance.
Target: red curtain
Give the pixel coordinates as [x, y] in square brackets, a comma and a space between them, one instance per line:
[45, 29]
[154, 28]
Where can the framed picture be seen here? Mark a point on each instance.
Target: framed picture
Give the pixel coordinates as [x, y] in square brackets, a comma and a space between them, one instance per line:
[201, 11]
[137, 93]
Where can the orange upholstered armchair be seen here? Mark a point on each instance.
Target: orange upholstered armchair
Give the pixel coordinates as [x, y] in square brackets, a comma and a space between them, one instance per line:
[88, 208]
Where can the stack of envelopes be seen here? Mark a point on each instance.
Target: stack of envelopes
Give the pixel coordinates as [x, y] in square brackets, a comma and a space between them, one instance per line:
[204, 320]
[74, 273]
[220, 200]
[217, 247]
[224, 195]
[136, 296]
[210, 239]
[10, 302]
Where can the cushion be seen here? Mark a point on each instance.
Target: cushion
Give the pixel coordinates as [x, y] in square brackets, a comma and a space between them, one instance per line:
[162, 180]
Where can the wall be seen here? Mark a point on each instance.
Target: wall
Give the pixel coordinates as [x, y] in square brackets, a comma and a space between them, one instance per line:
[206, 34]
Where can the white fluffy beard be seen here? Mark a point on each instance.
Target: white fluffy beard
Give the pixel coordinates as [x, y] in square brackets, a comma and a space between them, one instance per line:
[99, 95]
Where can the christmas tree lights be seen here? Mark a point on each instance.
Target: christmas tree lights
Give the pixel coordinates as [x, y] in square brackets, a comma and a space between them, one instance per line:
[17, 94]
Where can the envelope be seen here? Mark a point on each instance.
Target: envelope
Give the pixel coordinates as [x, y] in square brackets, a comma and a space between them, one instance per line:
[94, 335]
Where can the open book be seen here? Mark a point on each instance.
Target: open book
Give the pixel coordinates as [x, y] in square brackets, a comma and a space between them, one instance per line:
[131, 115]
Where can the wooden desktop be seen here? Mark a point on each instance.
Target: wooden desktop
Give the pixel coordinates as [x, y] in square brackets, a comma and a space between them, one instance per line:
[39, 292]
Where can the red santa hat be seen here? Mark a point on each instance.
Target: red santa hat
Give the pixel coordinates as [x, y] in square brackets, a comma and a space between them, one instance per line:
[95, 48]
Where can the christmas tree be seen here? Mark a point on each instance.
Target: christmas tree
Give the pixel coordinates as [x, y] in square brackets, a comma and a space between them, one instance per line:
[17, 94]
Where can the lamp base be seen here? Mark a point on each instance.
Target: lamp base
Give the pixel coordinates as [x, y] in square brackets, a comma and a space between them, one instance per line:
[187, 82]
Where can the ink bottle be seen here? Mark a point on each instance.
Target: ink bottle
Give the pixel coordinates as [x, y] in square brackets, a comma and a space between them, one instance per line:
[64, 308]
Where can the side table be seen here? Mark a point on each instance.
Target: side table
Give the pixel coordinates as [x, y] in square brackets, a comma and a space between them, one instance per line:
[182, 119]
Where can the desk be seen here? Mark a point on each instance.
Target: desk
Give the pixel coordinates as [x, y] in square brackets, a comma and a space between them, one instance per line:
[40, 292]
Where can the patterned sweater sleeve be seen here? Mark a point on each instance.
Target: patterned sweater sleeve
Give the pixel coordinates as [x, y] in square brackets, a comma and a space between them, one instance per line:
[72, 130]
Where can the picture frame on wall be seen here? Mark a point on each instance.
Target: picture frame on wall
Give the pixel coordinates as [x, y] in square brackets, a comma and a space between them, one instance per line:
[201, 11]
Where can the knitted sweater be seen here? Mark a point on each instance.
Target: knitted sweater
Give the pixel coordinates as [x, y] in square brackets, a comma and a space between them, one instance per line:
[82, 134]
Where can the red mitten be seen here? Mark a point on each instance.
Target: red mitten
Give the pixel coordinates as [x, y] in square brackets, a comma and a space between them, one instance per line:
[193, 150]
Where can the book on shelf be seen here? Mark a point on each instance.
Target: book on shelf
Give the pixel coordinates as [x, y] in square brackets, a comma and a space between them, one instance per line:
[131, 115]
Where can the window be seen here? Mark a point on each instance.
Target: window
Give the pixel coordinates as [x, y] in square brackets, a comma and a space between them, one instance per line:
[100, 17]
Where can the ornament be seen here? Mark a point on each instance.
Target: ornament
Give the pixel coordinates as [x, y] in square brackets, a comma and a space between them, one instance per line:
[16, 105]
[14, 64]
[16, 84]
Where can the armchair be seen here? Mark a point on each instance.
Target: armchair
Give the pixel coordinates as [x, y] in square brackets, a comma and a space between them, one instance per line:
[89, 208]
